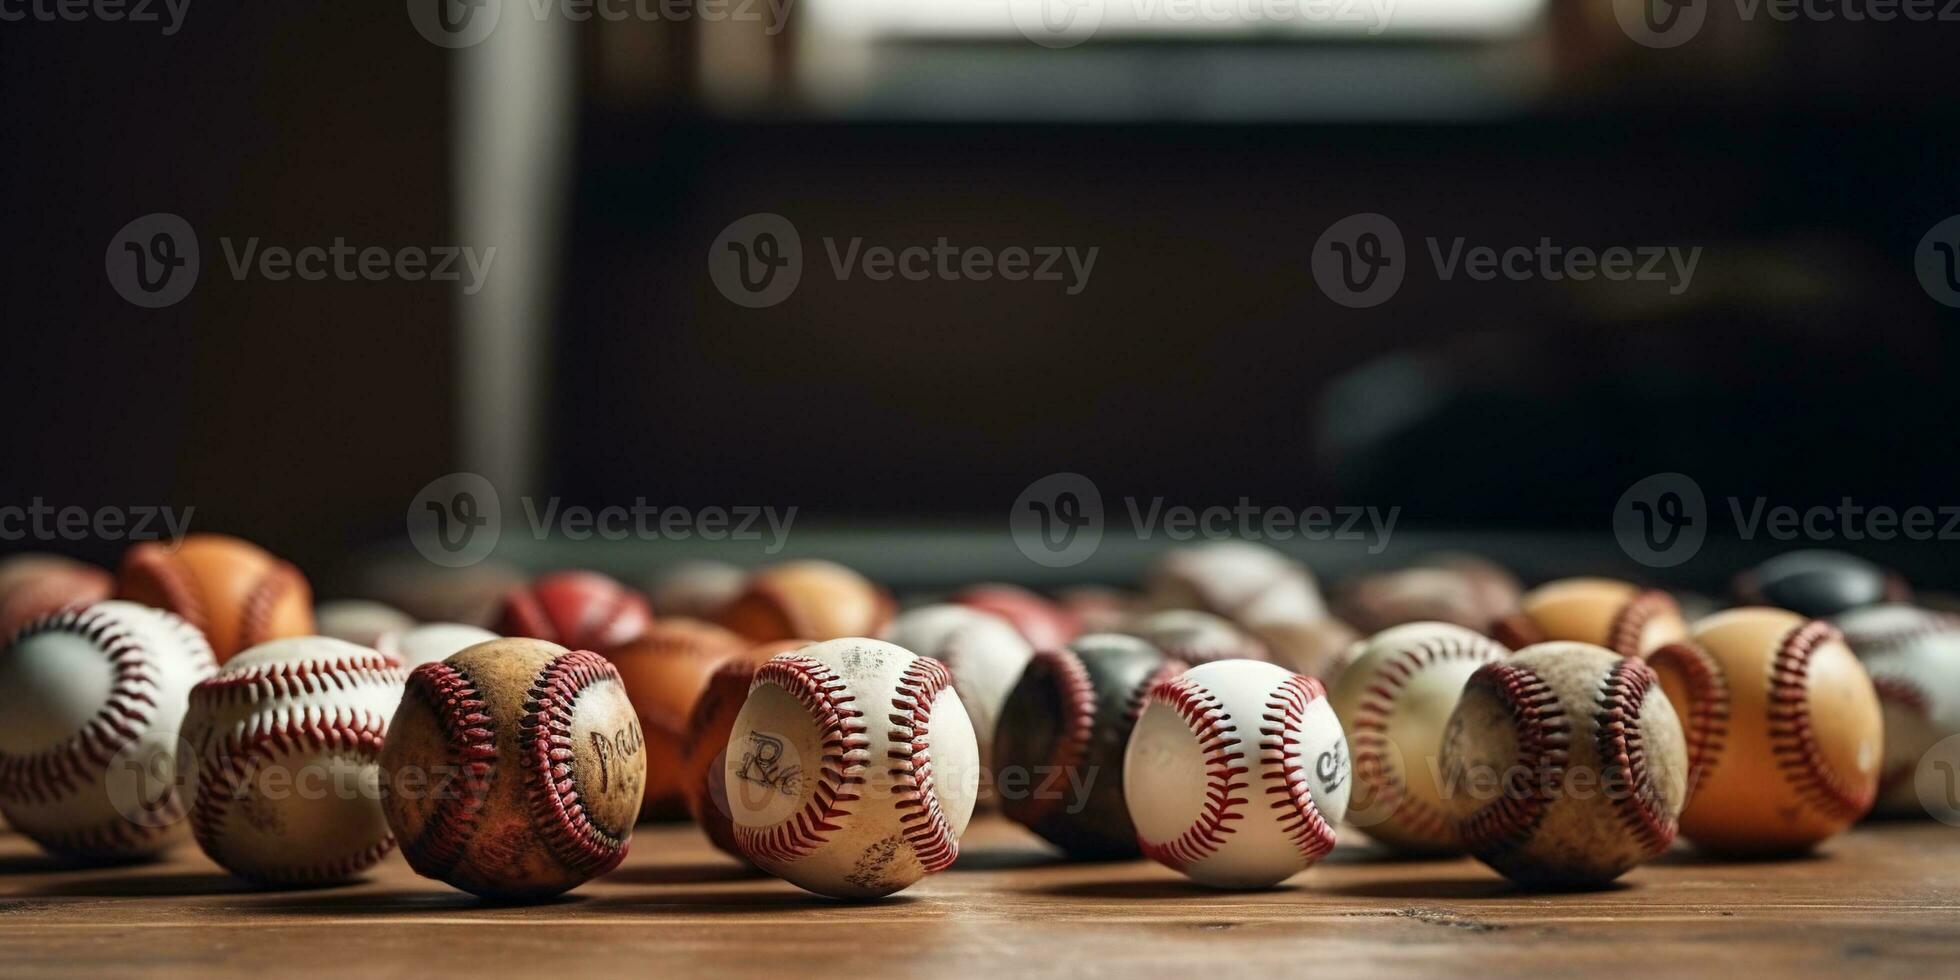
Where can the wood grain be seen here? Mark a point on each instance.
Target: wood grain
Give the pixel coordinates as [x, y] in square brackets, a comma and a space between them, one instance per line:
[1884, 898]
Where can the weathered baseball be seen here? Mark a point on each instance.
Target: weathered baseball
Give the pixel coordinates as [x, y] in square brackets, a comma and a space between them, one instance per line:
[1784, 728]
[1624, 618]
[986, 656]
[431, 642]
[1237, 773]
[1394, 699]
[817, 600]
[1913, 657]
[582, 610]
[282, 744]
[1382, 600]
[1564, 765]
[1196, 637]
[1045, 624]
[514, 769]
[359, 621]
[90, 702]
[233, 591]
[704, 753]
[665, 670]
[852, 768]
[1058, 751]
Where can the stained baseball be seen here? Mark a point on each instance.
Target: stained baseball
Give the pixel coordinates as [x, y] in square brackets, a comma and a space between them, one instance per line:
[852, 768]
[1236, 774]
[1784, 730]
[283, 743]
[90, 704]
[514, 769]
[1394, 700]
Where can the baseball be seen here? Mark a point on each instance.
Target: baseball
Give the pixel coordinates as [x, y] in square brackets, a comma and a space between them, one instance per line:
[233, 591]
[1058, 751]
[582, 610]
[852, 768]
[1236, 774]
[1624, 618]
[1247, 583]
[1394, 699]
[704, 753]
[1317, 648]
[283, 744]
[816, 600]
[514, 769]
[694, 589]
[90, 702]
[1383, 600]
[1196, 637]
[1818, 583]
[359, 621]
[35, 585]
[431, 642]
[1784, 730]
[1046, 625]
[985, 655]
[1913, 657]
[665, 671]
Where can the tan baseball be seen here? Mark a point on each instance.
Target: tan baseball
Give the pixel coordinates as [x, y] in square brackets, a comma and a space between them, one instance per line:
[283, 743]
[1564, 765]
[90, 702]
[1394, 699]
[852, 768]
[1236, 774]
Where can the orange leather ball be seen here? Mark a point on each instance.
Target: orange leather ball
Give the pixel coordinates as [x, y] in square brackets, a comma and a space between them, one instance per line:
[235, 592]
[1620, 616]
[665, 671]
[814, 600]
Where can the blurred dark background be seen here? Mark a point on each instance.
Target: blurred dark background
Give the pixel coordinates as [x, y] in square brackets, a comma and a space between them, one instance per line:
[1200, 364]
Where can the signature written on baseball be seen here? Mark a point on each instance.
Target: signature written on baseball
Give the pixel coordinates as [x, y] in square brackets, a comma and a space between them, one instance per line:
[1331, 766]
[615, 749]
[763, 765]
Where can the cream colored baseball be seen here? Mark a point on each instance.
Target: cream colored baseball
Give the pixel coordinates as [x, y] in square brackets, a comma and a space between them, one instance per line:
[284, 742]
[1236, 773]
[1393, 699]
[1565, 765]
[985, 654]
[431, 643]
[852, 768]
[90, 702]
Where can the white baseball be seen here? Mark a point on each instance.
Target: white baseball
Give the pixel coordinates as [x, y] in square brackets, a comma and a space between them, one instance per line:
[1250, 583]
[431, 642]
[985, 653]
[1913, 656]
[284, 743]
[1236, 774]
[359, 621]
[90, 702]
[851, 768]
[1394, 698]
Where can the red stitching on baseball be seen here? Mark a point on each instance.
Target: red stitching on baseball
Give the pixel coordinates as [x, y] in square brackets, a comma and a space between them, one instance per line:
[544, 735]
[1879, 640]
[1077, 692]
[924, 826]
[1517, 631]
[255, 616]
[1370, 740]
[1544, 735]
[181, 593]
[846, 753]
[1214, 730]
[300, 678]
[1279, 744]
[1133, 708]
[227, 767]
[48, 775]
[471, 739]
[1793, 740]
[1622, 749]
[1705, 718]
[1631, 622]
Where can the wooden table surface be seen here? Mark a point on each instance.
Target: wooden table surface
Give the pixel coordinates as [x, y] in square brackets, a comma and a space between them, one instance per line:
[1883, 899]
